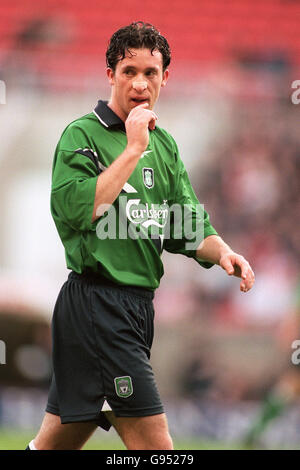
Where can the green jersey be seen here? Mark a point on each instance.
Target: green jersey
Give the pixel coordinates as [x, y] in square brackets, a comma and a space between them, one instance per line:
[126, 242]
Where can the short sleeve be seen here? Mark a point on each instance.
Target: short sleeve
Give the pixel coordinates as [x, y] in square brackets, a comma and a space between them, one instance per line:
[74, 177]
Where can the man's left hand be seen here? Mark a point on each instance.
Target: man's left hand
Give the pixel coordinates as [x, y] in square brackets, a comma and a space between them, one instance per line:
[237, 265]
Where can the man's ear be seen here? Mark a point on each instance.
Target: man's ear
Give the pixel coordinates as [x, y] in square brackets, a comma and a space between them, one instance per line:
[110, 75]
[165, 78]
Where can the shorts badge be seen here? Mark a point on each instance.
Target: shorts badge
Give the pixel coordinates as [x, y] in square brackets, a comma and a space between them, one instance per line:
[123, 386]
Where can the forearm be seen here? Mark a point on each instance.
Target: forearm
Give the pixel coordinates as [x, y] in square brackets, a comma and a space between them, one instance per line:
[212, 248]
[111, 181]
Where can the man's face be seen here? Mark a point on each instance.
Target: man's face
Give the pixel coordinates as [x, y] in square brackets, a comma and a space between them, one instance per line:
[137, 79]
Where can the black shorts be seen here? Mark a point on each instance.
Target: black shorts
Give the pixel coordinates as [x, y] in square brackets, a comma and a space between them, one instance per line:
[102, 335]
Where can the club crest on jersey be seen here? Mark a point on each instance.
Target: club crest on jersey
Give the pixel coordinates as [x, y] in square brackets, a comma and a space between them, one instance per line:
[123, 386]
[148, 177]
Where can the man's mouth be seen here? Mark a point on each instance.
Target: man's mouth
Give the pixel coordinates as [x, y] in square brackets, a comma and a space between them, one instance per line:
[140, 100]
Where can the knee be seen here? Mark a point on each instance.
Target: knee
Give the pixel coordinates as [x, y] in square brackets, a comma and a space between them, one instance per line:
[54, 445]
[164, 443]
[144, 433]
[159, 441]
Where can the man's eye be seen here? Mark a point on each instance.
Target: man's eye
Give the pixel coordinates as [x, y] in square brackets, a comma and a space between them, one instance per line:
[128, 72]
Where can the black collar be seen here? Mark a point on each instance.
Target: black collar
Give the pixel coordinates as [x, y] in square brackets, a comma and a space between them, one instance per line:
[107, 117]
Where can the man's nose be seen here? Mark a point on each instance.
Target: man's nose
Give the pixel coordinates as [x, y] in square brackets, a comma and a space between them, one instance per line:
[139, 86]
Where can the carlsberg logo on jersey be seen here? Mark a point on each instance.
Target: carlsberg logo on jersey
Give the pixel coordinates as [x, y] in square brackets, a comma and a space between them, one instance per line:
[130, 218]
[146, 215]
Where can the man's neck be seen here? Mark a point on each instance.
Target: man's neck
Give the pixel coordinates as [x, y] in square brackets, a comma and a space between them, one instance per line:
[117, 111]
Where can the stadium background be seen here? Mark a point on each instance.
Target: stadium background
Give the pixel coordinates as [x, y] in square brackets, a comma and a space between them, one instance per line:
[217, 352]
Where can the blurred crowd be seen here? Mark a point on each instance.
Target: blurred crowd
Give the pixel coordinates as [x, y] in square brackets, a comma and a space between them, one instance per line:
[240, 346]
[251, 188]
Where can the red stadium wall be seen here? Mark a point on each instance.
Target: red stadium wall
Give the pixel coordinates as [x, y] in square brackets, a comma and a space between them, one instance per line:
[72, 35]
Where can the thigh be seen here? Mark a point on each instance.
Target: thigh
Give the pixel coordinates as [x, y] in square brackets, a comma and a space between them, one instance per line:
[143, 433]
[56, 436]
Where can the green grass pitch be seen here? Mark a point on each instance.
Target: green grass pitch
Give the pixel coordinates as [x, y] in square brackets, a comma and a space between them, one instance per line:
[18, 440]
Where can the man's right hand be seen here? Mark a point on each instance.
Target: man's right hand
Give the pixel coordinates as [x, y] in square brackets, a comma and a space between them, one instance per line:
[139, 120]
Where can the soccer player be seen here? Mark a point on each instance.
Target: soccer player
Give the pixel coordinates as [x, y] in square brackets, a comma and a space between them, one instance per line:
[116, 176]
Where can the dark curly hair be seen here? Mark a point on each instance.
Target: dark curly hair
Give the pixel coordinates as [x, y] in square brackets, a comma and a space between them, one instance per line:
[137, 35]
